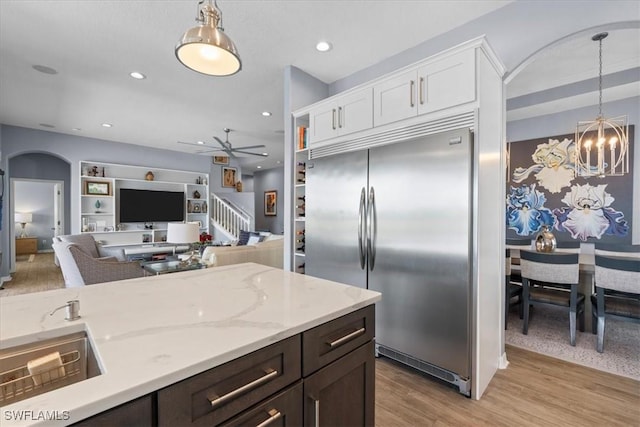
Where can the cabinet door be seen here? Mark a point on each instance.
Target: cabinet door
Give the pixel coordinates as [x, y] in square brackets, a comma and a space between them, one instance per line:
[355, 112]
[323, 122]
[342, 393]
[395, 99]
[447, 83]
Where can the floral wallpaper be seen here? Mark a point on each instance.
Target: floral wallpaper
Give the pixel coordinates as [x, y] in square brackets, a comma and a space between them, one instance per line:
[542, 190]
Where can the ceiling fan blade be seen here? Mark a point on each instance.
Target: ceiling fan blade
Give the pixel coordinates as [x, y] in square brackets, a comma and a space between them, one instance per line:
[248, 152]
[191, 143]
[221, 142]
[249, 147]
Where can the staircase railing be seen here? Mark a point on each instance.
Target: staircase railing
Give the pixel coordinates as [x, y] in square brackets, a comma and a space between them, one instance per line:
[228, 219]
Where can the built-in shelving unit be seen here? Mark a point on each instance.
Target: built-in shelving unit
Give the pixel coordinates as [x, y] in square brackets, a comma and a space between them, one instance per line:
[100, 184]
[299, 203]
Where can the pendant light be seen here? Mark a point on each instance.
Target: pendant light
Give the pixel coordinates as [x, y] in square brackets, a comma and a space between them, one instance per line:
[602, 145]
[205, 48]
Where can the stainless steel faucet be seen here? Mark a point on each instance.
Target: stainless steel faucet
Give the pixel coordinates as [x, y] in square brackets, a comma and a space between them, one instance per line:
[73, 310]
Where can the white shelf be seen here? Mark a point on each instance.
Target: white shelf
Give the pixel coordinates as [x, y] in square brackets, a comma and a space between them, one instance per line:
[120, 176]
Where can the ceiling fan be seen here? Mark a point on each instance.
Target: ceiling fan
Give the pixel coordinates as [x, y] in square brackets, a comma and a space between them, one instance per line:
[226, 147]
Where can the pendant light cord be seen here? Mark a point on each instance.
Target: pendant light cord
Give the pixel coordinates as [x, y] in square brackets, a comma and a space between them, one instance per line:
[600, 82]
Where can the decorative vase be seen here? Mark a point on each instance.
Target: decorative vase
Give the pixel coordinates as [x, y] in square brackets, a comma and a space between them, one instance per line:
[196, 194]
[85, 227]
[545, 241]
[149, 176]
[97, 205]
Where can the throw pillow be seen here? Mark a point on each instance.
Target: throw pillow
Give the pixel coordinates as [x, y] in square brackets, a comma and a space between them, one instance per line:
[243, 238]
[253, 239]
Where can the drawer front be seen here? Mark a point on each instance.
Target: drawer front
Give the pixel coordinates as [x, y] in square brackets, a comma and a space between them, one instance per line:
[282, 410]
[217, 395]
[332, 340]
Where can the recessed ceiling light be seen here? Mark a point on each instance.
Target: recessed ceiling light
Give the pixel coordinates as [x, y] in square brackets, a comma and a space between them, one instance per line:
[200, 142]
[266, 113]
[323, 46]
[107, 125]
[278, 162]
[265, 154]
[76, 129]
[259, 167]
[46, 125]
[44, 69]
[137, 75]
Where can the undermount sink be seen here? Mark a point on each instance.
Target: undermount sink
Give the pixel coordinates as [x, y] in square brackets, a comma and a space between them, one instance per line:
[17, 383]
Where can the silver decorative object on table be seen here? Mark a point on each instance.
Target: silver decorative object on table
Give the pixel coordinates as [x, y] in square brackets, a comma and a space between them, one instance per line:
[545, 241]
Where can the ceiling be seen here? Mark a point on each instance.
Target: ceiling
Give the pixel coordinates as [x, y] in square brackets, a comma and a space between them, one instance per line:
[94, 45]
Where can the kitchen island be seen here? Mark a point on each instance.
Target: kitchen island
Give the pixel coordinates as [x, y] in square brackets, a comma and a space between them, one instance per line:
[151, 333]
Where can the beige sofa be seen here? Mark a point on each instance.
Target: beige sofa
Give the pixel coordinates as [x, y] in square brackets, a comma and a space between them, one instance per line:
[269, 252]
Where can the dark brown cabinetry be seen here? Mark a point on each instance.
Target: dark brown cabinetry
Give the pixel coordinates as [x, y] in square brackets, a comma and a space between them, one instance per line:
[137, 413]
[322, 377]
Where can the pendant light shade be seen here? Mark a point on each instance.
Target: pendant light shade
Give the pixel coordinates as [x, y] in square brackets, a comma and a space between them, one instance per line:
[205, 48]
[602, 144]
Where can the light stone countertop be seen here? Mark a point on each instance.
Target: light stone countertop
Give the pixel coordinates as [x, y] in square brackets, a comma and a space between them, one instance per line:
[154, 331]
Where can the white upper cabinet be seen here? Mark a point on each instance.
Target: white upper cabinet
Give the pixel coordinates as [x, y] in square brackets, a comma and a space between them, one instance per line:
[340, 116]
[395, 98]
[447, 83]
[440, 84]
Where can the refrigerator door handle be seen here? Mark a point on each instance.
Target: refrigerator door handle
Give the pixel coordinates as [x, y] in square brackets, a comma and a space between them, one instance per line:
[361, 225]
[371, 234]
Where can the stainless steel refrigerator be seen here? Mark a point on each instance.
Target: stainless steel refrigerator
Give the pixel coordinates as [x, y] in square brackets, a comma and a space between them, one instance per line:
[397, 219]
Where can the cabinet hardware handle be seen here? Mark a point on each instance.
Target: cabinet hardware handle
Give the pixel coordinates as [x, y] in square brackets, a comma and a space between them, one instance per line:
[340, 117]
[411, 88]
[421, 89]
[270, 374]
[346, 338]
[274, 415]
[333, 119]
[316, 410]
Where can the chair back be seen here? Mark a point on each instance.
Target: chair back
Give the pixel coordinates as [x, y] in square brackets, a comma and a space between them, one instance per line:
[619, 274]
[507, 262]
[550, 267]
[572, 247]
[615, 249]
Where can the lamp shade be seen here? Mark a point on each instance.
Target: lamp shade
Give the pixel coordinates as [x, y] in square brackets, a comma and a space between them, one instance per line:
[23, 218]
[183, 233]
[206, 49]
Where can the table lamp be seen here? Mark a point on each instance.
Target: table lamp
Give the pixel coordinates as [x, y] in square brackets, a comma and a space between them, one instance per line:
[188, 233]
[23, 219]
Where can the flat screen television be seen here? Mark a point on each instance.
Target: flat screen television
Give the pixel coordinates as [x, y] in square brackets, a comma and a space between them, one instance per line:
[151, 205]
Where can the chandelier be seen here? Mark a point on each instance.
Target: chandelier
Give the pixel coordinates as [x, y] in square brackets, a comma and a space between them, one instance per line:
[602, 145]
[205, 48]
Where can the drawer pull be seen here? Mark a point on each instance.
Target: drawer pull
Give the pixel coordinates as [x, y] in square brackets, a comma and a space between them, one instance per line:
[274, 415]
[270, 374]
[346, 338]
[316, 415]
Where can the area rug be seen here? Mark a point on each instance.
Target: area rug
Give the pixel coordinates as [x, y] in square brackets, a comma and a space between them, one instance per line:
[549, 335]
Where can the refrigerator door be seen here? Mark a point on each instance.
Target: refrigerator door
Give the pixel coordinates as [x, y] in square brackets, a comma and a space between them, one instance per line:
[334, 226]
[420, 232]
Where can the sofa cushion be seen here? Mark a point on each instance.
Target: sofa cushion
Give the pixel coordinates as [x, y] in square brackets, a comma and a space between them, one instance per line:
[85, 242]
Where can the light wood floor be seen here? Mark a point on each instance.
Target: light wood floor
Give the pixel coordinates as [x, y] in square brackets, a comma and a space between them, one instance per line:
[535, 390]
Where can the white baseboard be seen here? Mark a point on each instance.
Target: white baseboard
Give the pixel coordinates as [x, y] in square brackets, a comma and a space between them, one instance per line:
[503, 361]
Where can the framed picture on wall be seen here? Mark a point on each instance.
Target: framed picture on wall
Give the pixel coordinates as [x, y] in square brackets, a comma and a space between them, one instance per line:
[220, 160]
[270, 202]
[99, 188]
[229, 177]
